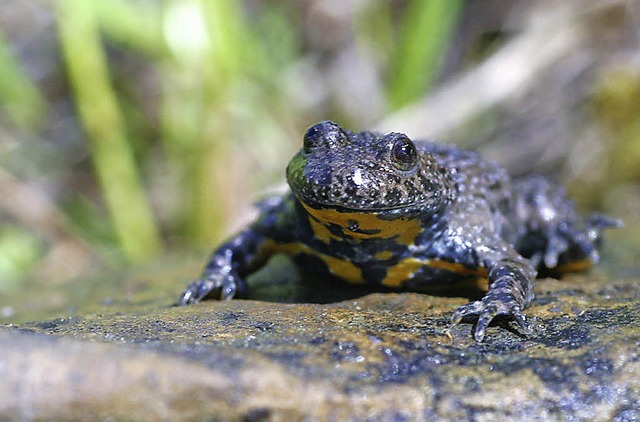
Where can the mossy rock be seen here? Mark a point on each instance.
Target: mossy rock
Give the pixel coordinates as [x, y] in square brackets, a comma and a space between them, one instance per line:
[383, 356]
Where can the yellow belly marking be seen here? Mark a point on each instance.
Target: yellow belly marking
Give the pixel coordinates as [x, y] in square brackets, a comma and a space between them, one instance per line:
[384, 255]
[342, 268]
[404, 230]
[573, 267]
[321, 231]
[406, 269]
[457, 268]
[402, 271]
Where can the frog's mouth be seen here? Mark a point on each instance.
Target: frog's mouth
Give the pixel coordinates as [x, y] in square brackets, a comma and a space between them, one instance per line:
[385, 212]
[340, 223]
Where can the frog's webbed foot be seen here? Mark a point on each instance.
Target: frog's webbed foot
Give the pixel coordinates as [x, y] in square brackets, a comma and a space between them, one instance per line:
[560, 240]
[486, 309]
[555, 234]
[219, 281]
[564, 242]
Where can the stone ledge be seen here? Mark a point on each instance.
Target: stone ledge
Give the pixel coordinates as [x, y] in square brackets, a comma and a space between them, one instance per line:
[380, 357]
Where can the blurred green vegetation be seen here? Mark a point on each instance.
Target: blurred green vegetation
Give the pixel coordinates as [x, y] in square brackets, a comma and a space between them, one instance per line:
[136, 128]
[20, 97]
[427, 27]
[176, 146]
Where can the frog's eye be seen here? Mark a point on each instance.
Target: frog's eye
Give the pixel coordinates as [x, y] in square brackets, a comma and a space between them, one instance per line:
[403, 153]
[325, 134]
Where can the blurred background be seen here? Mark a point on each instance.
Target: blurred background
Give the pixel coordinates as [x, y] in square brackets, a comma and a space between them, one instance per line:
[137, 133]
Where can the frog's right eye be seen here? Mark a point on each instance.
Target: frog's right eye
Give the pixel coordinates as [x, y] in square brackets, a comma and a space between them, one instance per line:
[403, 153]
[325, 134]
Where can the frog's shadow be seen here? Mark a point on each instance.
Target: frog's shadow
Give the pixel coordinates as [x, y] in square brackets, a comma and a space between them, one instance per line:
[280, 281]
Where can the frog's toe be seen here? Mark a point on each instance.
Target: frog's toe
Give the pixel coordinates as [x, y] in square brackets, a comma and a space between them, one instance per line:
[597, 224]
[556, 246]
[470, 309]
[486, 310]
[221, 286]
[195, 291]
[486, 314]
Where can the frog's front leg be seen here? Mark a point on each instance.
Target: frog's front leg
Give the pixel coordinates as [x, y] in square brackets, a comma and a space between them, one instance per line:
[510, 290]
[222, 277]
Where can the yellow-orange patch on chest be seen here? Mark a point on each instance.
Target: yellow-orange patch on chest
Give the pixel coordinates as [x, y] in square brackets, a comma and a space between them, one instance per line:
[360, 226]
[321, 231]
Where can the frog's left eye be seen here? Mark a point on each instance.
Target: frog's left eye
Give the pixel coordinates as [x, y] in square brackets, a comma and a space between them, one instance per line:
[403, 153]
[325, 134]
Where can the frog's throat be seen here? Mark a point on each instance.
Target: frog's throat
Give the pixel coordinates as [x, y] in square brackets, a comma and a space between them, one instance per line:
[330, 223]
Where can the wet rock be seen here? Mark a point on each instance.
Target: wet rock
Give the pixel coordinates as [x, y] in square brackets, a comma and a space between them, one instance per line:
[378, 357]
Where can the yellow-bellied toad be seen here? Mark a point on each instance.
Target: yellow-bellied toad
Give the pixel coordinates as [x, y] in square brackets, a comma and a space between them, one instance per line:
[383, 209]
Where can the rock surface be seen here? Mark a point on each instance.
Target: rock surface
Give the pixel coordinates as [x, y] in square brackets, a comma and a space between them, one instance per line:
[383, 356]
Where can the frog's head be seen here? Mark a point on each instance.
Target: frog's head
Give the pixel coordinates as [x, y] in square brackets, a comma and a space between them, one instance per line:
[366, 173]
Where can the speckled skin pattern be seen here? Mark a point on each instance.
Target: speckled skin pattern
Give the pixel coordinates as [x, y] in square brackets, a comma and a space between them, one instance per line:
[386, 210]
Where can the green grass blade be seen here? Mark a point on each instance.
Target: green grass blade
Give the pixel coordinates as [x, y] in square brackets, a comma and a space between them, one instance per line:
[18, 95]
[134, 24]
[112, 156]
[426, 29]
[220, 64]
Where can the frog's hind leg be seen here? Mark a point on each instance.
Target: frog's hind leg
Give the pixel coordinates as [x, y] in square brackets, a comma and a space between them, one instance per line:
[551, 233]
